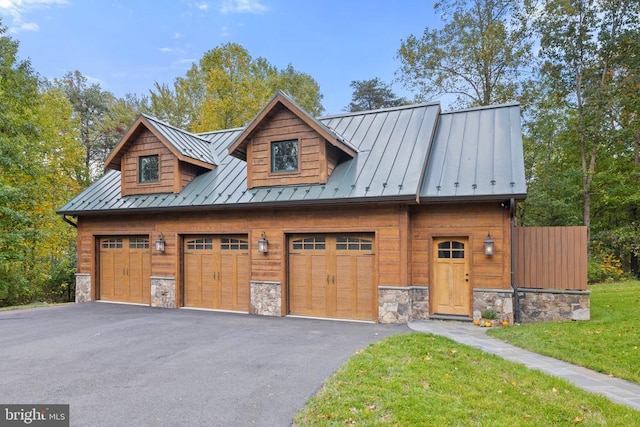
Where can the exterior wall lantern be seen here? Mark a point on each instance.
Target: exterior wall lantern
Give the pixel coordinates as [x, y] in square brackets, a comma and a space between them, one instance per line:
[160, 244]
[488, 245]
[263, 244]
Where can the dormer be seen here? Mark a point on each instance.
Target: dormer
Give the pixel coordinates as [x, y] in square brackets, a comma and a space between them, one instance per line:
[284, 145]
[154, 157]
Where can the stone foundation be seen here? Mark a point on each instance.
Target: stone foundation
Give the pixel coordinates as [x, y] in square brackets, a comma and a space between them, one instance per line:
[498, 300]
[83, 287]
[266, 298]
[163, 292]
[401, 305]
[542, 305]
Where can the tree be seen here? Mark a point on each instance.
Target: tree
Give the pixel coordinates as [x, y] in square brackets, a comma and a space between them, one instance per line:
[478, 56]
[179, 106]
[582, 45]
[371, 95]
[227, 88]
[102, 118]
[40, 161]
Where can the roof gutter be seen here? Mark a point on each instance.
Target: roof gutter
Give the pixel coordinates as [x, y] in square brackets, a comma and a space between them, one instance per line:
[68, 221]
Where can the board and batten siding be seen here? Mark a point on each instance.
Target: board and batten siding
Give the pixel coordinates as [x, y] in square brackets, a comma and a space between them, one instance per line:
[382, 221]
[282, 126]
[472, 220]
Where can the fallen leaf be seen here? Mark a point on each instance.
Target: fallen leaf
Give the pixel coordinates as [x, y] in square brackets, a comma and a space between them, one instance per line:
[425, 384]
[554, 390]
[527, 416]
[576, 420]
[514, 383]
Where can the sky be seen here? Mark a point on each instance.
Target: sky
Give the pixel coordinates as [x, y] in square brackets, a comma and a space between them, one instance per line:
[126, 46]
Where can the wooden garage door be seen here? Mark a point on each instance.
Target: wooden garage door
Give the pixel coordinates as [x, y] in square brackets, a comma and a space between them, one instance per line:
[216, 272]
[332, 276]
[125, 265]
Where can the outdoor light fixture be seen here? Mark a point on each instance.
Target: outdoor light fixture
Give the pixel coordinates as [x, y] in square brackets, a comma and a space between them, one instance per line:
[263, 244]
[488, 245]
[160, 243]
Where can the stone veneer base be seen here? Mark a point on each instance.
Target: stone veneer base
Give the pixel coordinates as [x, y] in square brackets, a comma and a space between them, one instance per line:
[83, 287]
[402, 305]
[498, 300]
[543, 305]
[266, 298]
[163, 292]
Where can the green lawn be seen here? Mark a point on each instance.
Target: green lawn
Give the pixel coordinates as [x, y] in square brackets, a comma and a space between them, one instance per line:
[608, 343]
[424, 380]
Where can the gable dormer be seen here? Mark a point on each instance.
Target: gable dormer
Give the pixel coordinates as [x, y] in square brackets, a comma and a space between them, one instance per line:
[284, 145]
[154, 157]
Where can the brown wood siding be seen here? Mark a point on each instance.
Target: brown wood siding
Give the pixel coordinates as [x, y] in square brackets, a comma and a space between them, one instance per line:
[187, 173]
[147, 144]
[282, 126]
[382, 221]
[463, 220]
[551, 257]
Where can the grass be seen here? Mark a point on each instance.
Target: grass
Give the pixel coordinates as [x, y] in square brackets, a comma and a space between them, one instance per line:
[34, 305]
[420, 379]
[608, 343]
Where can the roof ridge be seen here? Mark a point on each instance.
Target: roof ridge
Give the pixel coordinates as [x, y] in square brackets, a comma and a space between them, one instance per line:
[163, 123]
[380, 110]
[483, 107]
[210, 132]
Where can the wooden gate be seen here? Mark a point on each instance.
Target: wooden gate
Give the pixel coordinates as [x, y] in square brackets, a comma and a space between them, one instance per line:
[550, 257]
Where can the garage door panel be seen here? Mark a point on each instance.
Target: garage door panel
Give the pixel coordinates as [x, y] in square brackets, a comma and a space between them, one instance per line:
[219, 279]
[125, 269]
[107, 275]
[331, 276]
[193, 292]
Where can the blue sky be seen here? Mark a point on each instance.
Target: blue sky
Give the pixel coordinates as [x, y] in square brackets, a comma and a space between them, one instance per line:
[128, 45]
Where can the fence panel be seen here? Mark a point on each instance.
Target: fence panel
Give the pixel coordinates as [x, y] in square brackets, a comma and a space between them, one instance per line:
[550, 257]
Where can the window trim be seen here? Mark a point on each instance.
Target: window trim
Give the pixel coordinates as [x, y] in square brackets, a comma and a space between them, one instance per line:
[140, 171]
[272, 157]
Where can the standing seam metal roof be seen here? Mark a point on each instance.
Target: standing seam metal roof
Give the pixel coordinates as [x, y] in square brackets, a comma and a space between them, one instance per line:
[468, 154]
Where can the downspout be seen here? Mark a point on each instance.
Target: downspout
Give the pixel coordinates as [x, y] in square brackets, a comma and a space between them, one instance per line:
[516, 299]
[68, 221]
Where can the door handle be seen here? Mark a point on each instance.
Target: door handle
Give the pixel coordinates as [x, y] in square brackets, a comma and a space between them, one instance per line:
[333, 279]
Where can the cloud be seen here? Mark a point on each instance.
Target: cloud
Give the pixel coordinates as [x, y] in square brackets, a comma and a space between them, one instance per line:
[17, 8]
[177, 35]
[202, 6]
[243, 6]
[165, 49]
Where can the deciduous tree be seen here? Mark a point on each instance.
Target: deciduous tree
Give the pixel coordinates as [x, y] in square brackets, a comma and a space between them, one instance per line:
[478, 56]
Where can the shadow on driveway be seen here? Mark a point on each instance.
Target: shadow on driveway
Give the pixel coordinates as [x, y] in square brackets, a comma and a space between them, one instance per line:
[132, 365]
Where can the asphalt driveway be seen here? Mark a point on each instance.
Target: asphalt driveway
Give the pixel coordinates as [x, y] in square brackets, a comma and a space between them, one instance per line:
[132, 365]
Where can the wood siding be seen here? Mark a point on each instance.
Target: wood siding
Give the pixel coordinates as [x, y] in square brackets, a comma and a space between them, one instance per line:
[551, 257]
[173, 175]
[147, 144]
[403, 238]
[472, 221]
[383, 222]
[282, 126]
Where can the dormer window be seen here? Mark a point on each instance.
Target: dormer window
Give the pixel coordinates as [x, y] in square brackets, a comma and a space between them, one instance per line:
[148, 169]
[284, 156]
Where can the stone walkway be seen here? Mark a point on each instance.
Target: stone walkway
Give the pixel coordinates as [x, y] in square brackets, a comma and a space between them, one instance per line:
[614, 389]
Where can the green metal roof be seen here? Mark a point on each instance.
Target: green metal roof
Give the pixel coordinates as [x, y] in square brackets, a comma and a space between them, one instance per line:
[404, 153]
